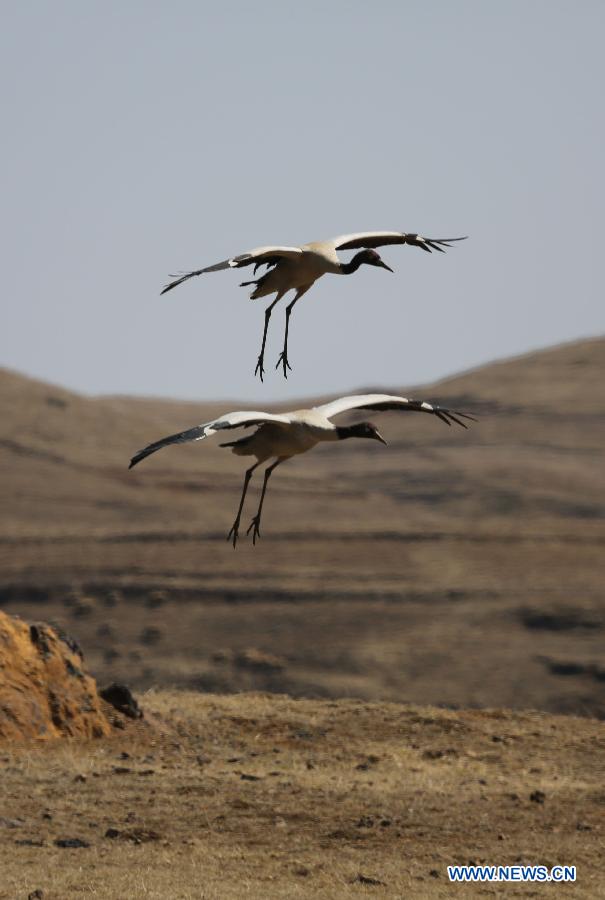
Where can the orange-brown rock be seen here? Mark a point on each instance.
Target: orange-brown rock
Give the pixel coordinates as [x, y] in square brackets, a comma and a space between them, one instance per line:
[44, 691]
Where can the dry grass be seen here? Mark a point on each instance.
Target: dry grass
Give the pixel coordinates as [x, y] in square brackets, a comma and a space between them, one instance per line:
[257, 796]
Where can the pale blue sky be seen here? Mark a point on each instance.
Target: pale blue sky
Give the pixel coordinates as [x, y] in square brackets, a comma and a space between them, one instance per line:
[143, 138]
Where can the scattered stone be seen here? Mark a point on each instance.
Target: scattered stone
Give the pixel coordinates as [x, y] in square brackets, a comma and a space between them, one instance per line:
[434, 873]
[245, 777]
[156, 599]
[302, 871]
[105, 631]
[121, 770]
[136, 835]
[83, 608]
[30, 842]
[38, 894]
[71, 843]
[582, 826]
[367, 879]
[11, 823]
[112, 599]
[537, 796]
[150, 636]
[80, 778]
[121, 698]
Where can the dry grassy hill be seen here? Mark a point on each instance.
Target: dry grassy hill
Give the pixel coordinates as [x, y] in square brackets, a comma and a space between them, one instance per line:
[461, 568]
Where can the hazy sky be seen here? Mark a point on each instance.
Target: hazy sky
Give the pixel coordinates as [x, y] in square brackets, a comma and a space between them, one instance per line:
[144, 138]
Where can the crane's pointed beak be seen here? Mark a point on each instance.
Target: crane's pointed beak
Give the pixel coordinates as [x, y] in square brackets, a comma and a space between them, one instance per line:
[383, 265]
[379, 437]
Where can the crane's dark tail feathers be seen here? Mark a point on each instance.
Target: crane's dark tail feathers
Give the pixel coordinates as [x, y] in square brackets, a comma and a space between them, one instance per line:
[259, 282]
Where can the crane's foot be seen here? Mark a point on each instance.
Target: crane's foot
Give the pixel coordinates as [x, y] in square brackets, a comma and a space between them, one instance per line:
[234, 533]
[254, 524]
[260, 369]
[283, 361]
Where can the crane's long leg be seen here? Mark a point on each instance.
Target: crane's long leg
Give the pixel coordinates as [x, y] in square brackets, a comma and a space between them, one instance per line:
[235, 527]
[283, 356]
[255, 523]
[260, 370]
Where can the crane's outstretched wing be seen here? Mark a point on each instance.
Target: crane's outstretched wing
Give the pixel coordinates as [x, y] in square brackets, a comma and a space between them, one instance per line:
[260, 256]
[385, 401]
[199, 432]
[382, 238]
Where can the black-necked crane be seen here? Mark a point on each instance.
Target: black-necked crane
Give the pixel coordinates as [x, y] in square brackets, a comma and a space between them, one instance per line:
[298, 268]
[280, 437]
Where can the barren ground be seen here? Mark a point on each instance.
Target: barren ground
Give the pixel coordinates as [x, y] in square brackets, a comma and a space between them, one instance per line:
[265, 796]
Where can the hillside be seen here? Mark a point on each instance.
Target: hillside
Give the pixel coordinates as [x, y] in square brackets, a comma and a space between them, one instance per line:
[461, 568]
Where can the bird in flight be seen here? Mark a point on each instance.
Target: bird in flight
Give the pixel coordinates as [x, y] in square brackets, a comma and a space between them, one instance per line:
[298, 268]
[280, 437]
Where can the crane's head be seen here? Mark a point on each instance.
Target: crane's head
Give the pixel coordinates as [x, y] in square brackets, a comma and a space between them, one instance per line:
[360, 430]
[372, 258]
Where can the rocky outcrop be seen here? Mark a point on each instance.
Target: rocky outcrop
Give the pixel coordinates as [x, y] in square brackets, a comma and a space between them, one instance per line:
[45, 691]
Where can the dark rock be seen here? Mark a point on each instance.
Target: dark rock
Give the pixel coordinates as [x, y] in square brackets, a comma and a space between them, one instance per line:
[121, 698]
[39, 639]
[71, 843]
[68, 640]
[537, 796]
[367, 879]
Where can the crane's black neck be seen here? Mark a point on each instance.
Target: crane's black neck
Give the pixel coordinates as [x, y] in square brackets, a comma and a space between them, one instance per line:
[353, 264]
[349, 431]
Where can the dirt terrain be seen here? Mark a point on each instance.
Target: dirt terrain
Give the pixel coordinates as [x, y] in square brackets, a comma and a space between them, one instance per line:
[462, 568]
[260, 796]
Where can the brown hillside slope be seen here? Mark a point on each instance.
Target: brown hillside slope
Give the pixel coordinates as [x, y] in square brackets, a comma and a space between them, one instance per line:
[451, 567]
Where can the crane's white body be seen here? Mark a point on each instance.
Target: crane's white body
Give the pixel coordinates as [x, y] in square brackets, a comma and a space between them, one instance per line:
[305, 429]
